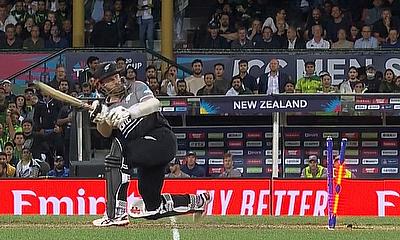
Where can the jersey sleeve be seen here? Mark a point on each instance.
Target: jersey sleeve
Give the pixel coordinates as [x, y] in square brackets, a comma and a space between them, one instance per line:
[142, 91]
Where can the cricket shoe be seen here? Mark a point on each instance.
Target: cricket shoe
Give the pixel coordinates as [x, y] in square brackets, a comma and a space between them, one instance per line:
[202, 201]
[105, 221]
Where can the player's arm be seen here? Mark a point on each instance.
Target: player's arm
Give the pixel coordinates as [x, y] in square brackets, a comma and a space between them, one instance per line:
[147, 106]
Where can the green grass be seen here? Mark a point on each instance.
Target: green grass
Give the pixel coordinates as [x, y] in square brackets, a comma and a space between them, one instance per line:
[214, 228]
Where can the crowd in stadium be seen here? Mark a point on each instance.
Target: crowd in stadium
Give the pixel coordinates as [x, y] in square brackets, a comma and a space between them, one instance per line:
[34, 128]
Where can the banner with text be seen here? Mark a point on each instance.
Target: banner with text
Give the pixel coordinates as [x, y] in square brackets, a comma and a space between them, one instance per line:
[230, 197]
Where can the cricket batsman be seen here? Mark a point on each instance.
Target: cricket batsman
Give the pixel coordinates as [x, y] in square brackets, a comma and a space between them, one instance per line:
[142, 139]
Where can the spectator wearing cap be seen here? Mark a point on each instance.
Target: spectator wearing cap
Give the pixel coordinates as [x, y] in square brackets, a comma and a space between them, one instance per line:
[6, 170]
[310, 83]
[59, 170]
[326, 82]
[27, 167]
[229, 170]
[237, 87]
[242, 42]
[191, 168]
[7, 85]
[213, 40]
[373, 80]
[91, 64]
[11, 41]
[313, 170]
[366, 41]
[274, 81]
[175, 170]
[317, 42]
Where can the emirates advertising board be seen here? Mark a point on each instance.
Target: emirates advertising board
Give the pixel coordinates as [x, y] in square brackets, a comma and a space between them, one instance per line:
[230, 197]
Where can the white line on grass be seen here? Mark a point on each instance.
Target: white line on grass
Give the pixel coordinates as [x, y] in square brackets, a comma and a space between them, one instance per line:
[175, 231]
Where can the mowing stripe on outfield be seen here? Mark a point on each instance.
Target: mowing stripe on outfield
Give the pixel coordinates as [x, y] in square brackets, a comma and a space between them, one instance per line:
[175, 231]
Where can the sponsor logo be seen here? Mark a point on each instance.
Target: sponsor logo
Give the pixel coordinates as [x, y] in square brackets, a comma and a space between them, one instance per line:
[215, 135]
[389, 152]
[311, 143]
[179, 102]
[363, 101]
[215, 161]
[269, 152]
[268, 135]
[235, 143]
[311, 135]
[351, 152]
[197, 135]
[234, 135]
[351, 135]
[216, 152]
[389, 143]
[292, 143]
[369, 135]
[165, 103]
[215, 144]
[352, 144]
[268, 161]
[390, 161]
[394, 100]
[238, 162]
[201, 161]
[180, 135]
[295, 153]
[373, 170]
[168, 109]
[334, 152]
[236, 152]
[330, 134]
[351, 161]
[215, 170]
[370, 161]
[269, 170]
[181, 153]
[312, 152]
[387, 107]
[197, 144]
[254, 135]
[390, 170]
[389, 135]
[254, 162]
[292, 161]
[360, 107]
[253, 143]
[292, 170]
[369, 152]
[380, 100]
[254, 153]
[181, 109]
[292, 135]
[200, 152]
[374, 107]
[254, 170]
[396, 107]
[369, 143]
[268, 144]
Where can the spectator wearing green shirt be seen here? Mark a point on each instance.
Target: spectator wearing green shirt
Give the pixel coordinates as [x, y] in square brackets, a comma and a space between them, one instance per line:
[310, 83]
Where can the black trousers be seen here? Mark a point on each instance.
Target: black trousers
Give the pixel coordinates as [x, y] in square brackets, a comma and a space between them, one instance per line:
[150, 155]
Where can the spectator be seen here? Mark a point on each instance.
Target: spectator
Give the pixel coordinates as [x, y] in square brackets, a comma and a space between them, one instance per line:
[4, 136]
[29, 95]
[342, 42]
[63, 12]
[225, 29]
[337, 22]
[5, 18]
[27, 167]
[120, 18]
[19, 140]
[273, 81]
[254, 33]
[229, 171]
[21, 106]
[59, 170]
[155, 87]
[366, 41]
[6, 170]
[293, 41]
[370, 16]
[34, 42]
[248, 81]
[105, 32]
[11, 41]
[213, 40]
[354, 33]
[315, 19]
[346, 173]
[151, 72]
[209, 87]
[372, 82]
[289, 87]
[268, 41]
[381, 27]
[60, 75]
[131, 75]
[317, 42]
[237, 87]
[359, 87]
[392, 40]
[19, 13]
[41, 12]
[121, 64]
[63, 86]
[280, 15]
[9, 95]
[310, 83]
[182, 89]
[34, 140]
[347, 86]
[91, 64]
[86, 90]
[313, 170]
[195, 81]
[175, 170]
[55, 41]
[168, 85]
[192, 168]
[146, 24]
[9, 151]
[220, 82]
[397, 85]
[387, 85]
[326, 82]
[242, 42]
[66, 31]
[52, 17]
[26, 31]
[45, 33]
